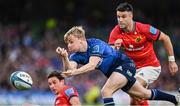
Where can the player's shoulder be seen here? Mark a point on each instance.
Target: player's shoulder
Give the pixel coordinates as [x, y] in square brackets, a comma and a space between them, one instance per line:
[142, 27]
[93, 41]
[68, 87]
[69, 90]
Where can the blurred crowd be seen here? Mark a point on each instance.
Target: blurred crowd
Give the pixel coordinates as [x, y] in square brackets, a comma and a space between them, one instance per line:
[30, 46]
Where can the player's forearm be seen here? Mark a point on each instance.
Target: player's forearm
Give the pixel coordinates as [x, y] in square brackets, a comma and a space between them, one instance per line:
[86, 68]
[75, 101]
[168, 46]
[66, 64]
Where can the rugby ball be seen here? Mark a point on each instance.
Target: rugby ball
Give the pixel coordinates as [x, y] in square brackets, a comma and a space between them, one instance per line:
[21, 80]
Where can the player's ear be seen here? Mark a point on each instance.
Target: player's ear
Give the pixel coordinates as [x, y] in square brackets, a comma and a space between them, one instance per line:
[131, 14]
[61, 81]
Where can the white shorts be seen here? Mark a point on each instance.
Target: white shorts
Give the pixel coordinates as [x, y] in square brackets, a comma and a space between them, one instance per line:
[148, 74]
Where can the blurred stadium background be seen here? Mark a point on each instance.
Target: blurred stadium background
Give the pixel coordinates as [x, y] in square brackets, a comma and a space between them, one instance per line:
[30, 30]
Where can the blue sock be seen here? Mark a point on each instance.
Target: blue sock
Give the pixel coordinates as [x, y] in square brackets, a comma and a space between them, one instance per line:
[159, 95]
[108, 101]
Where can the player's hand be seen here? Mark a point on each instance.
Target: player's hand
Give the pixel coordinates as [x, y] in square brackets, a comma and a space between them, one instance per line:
[173, 68]
[62, 52]
[68, 73]
[118, 44]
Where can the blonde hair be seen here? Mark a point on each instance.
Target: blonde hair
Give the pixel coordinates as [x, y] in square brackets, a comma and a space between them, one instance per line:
[77, 31]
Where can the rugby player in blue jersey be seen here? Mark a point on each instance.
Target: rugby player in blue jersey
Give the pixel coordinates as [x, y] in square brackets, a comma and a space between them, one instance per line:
[116, 66]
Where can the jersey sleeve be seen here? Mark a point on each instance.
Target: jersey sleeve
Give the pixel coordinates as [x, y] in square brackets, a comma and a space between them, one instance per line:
[151, 32]
[114, 35]
[71, 92]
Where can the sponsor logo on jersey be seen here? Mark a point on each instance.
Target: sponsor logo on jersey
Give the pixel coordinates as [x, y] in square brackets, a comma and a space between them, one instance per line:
[69, 91]
[153, 30]
[129, 73]
[134, 49]
[120, 68]
[131, 46]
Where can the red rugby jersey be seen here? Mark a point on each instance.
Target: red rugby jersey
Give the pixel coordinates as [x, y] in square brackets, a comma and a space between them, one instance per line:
[64, 96]
[138, 44]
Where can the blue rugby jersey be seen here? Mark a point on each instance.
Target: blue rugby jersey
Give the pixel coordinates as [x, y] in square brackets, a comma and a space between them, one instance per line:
[111, 58]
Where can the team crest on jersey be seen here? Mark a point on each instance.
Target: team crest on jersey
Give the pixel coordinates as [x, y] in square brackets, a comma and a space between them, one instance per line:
[95, 49]
[138, 39]
[69, 91]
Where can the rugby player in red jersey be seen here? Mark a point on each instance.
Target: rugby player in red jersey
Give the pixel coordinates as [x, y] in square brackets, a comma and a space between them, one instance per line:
[137, 40]
[66, 95]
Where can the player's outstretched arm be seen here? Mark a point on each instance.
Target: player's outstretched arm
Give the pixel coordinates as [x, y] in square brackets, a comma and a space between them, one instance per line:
[173, 68]
[93, 62]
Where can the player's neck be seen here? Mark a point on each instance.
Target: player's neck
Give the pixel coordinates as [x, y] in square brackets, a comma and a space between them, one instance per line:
[131, 27]
[84, 46]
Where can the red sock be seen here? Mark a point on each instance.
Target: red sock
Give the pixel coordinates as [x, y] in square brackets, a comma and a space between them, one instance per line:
[139, 102]
[144, 103]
